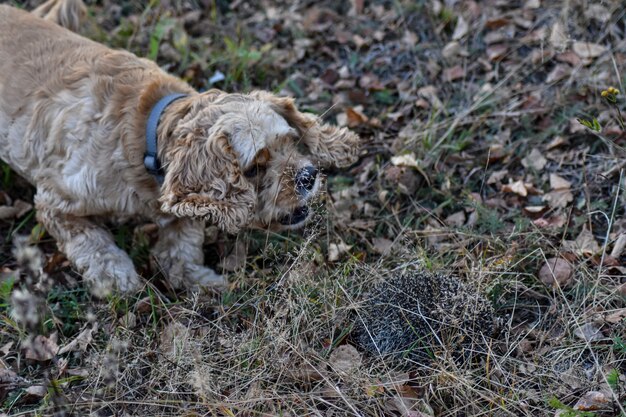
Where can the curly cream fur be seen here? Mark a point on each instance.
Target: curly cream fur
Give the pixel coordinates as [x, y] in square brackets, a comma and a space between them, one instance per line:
[72, 121]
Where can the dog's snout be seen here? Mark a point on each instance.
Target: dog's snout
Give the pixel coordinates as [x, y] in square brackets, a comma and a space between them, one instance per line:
[305, 179]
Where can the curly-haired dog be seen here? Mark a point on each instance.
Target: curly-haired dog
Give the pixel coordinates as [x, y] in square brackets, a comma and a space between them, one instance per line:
[103, 134]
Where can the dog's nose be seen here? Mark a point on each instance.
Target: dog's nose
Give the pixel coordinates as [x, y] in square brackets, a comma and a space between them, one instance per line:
[305, 180]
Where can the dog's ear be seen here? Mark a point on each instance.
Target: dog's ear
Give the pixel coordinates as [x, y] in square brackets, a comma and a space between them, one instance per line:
[330, 144]
[203, 180]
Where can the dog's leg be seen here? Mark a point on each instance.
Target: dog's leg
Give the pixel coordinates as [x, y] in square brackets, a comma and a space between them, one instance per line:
[91, 249]
[179, 254]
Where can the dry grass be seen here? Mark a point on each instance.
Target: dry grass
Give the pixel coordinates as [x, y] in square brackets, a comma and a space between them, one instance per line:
[283, 339]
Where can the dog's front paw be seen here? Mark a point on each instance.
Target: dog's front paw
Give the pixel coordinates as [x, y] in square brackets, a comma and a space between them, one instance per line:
[106, 273]
[192, 276]
[198, 276]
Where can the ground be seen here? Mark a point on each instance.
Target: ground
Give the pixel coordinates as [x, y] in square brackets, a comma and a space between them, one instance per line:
[493, 154]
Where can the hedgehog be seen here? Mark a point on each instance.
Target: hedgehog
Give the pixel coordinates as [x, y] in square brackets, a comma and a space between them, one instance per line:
[417, 316]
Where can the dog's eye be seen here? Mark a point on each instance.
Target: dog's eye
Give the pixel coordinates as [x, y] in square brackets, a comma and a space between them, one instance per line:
[252, 171]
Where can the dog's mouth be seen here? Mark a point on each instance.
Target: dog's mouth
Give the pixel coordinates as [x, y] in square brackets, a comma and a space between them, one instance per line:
[298, 216]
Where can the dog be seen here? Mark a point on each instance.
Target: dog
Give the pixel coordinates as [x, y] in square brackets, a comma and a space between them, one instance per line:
[103, 134]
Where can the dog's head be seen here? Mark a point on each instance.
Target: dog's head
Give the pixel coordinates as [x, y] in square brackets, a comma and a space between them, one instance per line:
[250, 160]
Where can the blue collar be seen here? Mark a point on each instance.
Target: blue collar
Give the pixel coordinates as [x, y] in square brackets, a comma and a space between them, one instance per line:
[150, 158]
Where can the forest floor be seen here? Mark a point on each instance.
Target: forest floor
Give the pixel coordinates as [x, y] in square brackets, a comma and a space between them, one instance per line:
[491, 157]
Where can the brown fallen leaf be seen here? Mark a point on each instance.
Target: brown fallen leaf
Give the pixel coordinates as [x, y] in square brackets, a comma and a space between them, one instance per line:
[558, 73]
[37, 391]
[429, 93]
[497, 176]
[345, 359]
[382, 245]
[587, 50]
[615, 316]
[559, 198]
[355, 116]
[556, 272]
[81, 341]
[556, 142]
[559, 183]
[452, 74]
[518, 187]
[557, 221]
[593, 400]
[461, 29]
[304, 373]
[335, 250]
[597, 12]
[558, 36]
[456, 219]
[588, 332]
[585, 244]
[569, 57]
[535, 160]
[42, 348]
[451, 50]
[8, 212]
[496, 52]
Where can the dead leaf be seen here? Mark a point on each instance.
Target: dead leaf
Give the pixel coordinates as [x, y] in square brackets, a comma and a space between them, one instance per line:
[597, 12]
[535, 160]
[37, 391]
[558, 73]
[556, 142]
[619, 245]
[405, 407]
[403, 178]
[457, 219]
[496, 52]
[558, 36]
[556, 272]
[553, 221]
[585, 244]
[357, 7]
[429, 92]
[559, 183]
[8, 212]
[355, 117]
[593, 400]
[588, 50]
[559, 198]
[405, 160]
[616, 316]
[569, 57]
[532, 4]
[588, 332]
[345, 359]
[461, 29]
[42, 348]
[382, 245]
[6, 348]
[410, 38]
[451, 50]
[517, 187]
[497, 176]
[335, 250]
[174, 339]
[452, 74]
[81, 341]
[304, 373]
